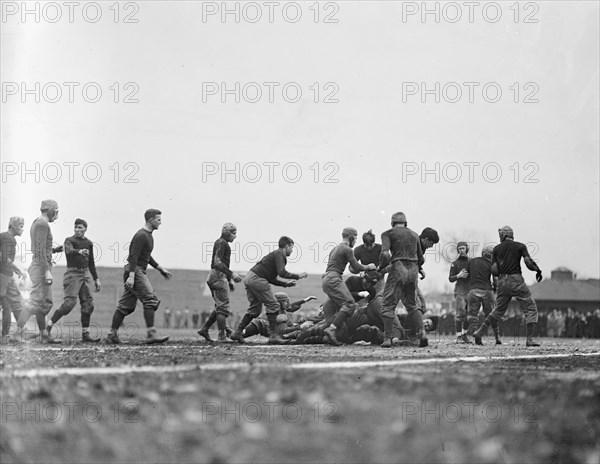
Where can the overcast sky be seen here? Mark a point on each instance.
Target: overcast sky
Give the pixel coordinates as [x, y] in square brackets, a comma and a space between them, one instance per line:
[350, 151]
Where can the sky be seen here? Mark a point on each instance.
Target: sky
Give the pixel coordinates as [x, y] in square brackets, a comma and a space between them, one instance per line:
[344, 115]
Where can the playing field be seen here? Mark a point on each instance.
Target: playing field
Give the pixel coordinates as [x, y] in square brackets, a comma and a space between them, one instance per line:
[186, 401]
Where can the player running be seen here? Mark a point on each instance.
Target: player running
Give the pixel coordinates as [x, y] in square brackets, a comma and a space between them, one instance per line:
[136, 283]
[80, 264]
[506, 264]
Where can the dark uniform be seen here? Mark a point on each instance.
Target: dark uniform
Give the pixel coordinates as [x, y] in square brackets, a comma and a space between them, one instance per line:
[506, 262]
[401, 285]
[461, 290]
[76, 280]
[140, 256]
[507, 255]
[258, 283]
[481, 293]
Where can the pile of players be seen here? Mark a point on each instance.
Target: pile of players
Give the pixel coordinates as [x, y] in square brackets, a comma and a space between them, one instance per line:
[360, 308]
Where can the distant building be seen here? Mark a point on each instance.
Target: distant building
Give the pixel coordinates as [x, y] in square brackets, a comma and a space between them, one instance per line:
[563, 290]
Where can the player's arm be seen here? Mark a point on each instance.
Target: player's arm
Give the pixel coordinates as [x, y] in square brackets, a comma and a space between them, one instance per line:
[281, 272]
[452, 277]
[530, 263]
[68, 247]
[92, 266]
[296, 305]
[355, 266]
[40, 237]
[420, 256]
[218, 263]
[385, 256]
[495, 268]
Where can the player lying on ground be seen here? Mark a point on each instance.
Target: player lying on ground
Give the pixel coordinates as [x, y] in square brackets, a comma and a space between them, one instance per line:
[260, 326]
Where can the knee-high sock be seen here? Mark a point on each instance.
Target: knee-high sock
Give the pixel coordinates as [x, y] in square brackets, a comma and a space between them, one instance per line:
[210, 321]
[149, 317]
[495, 328]
[117, 320]
[221, 322]
[245, 321]
[57, 315]
[388, 327]
[6, 316]
[41, 321]
[416, 317]
[85, 320]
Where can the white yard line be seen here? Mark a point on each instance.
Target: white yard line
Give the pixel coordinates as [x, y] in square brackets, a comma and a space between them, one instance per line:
[79, 371]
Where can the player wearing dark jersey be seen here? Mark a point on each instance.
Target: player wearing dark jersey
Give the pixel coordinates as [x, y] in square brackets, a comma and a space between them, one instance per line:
[481, 291]
[333, 284]
[402, 247]
[220, 282]
[428, 238]
[369, 253]
[506, 264]
[459, 274]
[136, 283]
[258, 281]
[10, 296]
[80, 264]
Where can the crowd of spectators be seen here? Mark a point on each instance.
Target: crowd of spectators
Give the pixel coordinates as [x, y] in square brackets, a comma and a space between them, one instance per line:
[556, 323]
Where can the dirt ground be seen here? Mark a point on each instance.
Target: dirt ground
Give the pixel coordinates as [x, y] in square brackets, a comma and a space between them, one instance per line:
[188, 401]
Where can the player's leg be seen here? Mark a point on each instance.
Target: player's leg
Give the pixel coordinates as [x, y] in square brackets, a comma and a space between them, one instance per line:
[409, 274]
[391, 296]
[150, 303]
[461, 318]
[487, 301]
[340, 295]
[125, 306]
[503, 296]
[528, 307]
[212, 318]
[222, 307]
[474, 301]
[87, 308]
[272, 307]
[252, 283]
[71, 285]
[6, 313]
